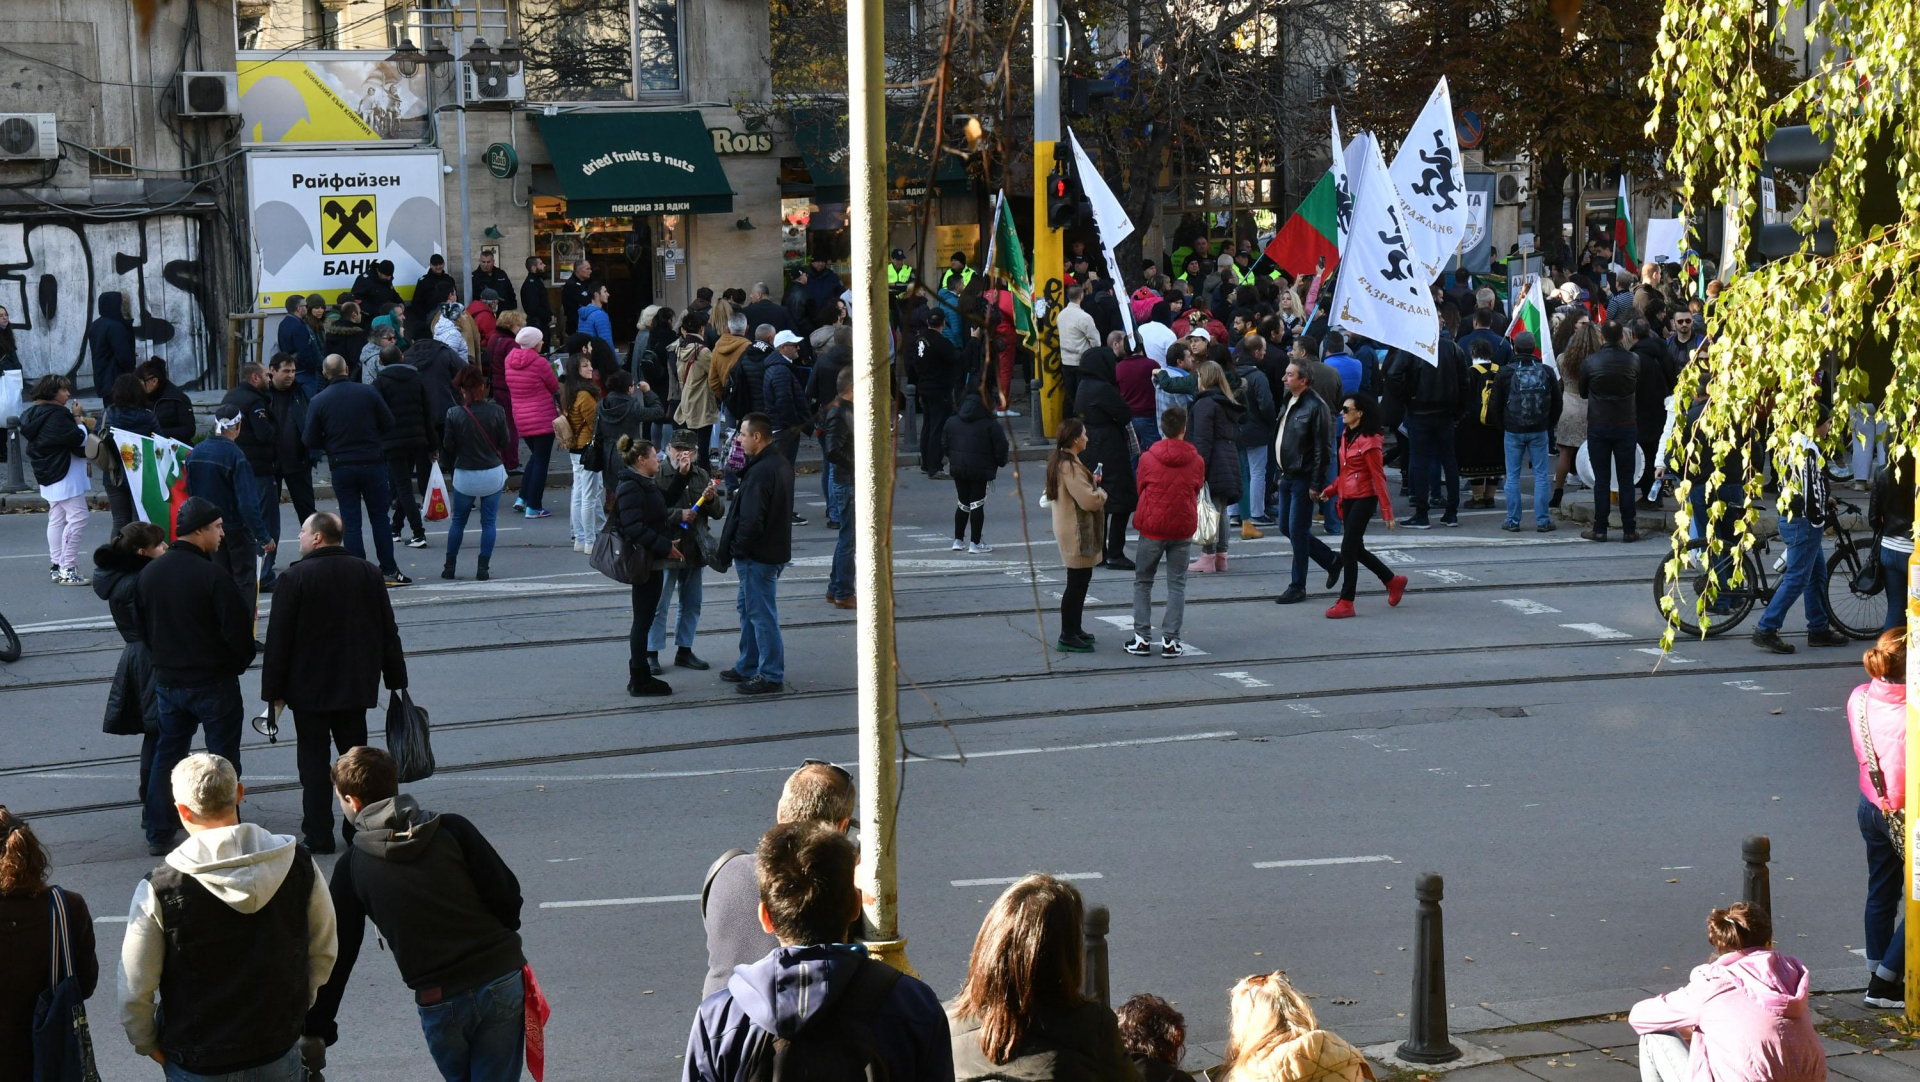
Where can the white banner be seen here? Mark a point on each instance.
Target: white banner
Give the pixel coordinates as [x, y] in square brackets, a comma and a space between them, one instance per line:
[1476, 221]
[319, 220]
[1342, 185]
[1381, 293]
[1666, 240]
[1432, 188]
[1110, 218]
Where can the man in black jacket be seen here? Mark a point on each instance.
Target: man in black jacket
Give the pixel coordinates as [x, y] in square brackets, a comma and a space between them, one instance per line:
[374, 289]
[172, 409]
[331, 640]
[762, 308]
[759, 536]
[489, 276]
[936, 372]
[292, 462]
[1526, 402]
[257, 437]
[410, 443]
[533, 297]
[110, 340]
[428, 295]
[1659, 372]
[1610, 382]
[1302, 452]
[448, 908]
[836, 444]
[200, 631]
[349, 421]
[786, 402]
[577, 292]
[1437, 394]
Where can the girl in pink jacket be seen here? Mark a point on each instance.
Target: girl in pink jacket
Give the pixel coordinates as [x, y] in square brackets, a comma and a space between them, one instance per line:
[1877, 720]
[1742, 1018]
[532, 385]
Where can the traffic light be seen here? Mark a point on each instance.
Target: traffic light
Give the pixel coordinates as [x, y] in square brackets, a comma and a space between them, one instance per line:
[1081, 93]
[1065, 203]
[1793, 150]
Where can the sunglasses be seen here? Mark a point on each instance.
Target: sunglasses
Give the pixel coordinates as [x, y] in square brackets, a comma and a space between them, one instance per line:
[837, 769]
[1349, 409]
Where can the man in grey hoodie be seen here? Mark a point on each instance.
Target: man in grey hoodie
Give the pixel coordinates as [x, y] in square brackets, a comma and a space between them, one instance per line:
[246, 940]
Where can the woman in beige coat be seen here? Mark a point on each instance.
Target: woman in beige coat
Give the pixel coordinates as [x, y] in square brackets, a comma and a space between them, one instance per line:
[1273, 1036]
[1079, 525]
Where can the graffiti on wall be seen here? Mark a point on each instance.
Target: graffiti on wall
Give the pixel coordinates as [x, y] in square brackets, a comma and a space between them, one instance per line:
[52, 271]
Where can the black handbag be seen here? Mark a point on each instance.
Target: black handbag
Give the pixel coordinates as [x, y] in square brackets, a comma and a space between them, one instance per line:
[408, 739]
[62, 1042]
[619, 559]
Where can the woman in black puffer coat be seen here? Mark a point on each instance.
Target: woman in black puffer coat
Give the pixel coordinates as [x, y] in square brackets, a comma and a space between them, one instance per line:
[1110, 442]
[976, 449]
[640, 515]
[132, 706]
[1214, 431]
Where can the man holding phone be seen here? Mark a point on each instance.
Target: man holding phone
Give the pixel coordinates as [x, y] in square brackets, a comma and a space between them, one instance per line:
[695, 501]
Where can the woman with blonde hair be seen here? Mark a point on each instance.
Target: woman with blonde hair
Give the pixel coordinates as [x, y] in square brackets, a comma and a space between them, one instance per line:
[469, 335]
[1213, 427]
[1273, 1036]
[1582, 342]
[1079, 506]
[1021, 1012]
[1877, 720]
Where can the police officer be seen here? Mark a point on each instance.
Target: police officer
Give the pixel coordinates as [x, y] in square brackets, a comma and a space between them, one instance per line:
[958, 274]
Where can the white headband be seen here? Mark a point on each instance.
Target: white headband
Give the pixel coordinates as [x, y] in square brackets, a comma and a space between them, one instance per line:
[222, 426]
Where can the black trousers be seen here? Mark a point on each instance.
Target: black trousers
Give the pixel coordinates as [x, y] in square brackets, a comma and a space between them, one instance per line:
[318, 733]
[937, 404]
[403, 469]
[236, 557]
[1649, 446]
[646, 598]
[1354, 516]
[1117, 534]
[970, 499]
[1073, 600]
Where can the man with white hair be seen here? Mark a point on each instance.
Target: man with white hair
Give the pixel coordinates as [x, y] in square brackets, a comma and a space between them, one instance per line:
[234, 934]
[762, 308]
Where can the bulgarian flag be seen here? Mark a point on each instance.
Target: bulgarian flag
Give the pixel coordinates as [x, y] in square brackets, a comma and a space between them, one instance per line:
[1006, 259]
[1311, 234]
[1530, 315]
[1623, 245]
[156, 473]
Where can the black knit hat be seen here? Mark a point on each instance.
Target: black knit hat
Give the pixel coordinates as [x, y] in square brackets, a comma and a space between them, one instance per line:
[196, 513]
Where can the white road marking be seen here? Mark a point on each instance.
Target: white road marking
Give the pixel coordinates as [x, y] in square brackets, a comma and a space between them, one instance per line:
[1678, 868]
[110, 920]
[1441, 574]
[1743, 685]
[473, 525]
[1321, 861]
[1021, 574]
[1655, 651]
[1525, 607]
[1397, 556]
[1102, 745]
[1598, 631]
[1245, 679]
[1010, 880]
[1090, 599]
[655, 900]
[1308, 709]
[1126, 623]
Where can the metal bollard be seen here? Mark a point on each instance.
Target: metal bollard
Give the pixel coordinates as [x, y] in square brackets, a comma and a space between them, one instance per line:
[1427, 1019]
[1040, 433]
[1756, 882]
[16, 459]
[909, 424]
[1093, 982]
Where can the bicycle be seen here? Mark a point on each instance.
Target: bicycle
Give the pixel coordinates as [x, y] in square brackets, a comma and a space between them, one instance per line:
[1855, 613]
[9, 641]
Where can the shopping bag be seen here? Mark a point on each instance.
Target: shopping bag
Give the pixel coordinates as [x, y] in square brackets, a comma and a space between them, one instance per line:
[62, 1043]
[407, 737]
[613, 557]
[1206, 528]
[436, 495]
[537, 1014]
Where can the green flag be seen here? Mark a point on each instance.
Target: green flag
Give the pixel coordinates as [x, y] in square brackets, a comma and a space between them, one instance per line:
[1010, 263]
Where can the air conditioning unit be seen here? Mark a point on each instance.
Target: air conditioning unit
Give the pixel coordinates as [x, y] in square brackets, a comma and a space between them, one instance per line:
[494, 85]
[1511, 187]
[209, 93]
[29, 137]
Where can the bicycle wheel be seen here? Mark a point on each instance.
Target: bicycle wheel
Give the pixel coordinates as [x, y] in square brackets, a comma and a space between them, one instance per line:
[1857, 615]
[1686, 589]
[9, 642]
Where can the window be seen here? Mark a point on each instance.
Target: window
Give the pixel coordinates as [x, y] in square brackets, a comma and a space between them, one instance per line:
[323, 25]
[656, 48]
[110, 163]
[579, 50]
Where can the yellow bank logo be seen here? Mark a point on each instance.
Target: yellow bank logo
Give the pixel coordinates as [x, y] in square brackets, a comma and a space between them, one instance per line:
[347, 225]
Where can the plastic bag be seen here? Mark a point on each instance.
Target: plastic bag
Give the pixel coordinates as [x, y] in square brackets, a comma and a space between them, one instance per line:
[407, 737]
[537, 1014]
[1206, 528]
[436, 495]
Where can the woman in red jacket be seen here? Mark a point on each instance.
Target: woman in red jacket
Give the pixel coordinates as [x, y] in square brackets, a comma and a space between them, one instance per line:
[1362, 488]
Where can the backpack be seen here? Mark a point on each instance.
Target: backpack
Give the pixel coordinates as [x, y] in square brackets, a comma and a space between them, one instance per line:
[1528, 404]
[835, 1045]
[739, 396]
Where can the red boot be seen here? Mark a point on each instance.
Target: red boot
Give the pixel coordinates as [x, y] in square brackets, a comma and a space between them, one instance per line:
[1341, 610]
[1396, 589]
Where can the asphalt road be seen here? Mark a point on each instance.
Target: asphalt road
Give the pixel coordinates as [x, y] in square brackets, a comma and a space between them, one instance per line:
[1265, 803]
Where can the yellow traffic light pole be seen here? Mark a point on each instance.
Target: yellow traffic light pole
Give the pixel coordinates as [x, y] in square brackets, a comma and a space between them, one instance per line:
[1049, 254]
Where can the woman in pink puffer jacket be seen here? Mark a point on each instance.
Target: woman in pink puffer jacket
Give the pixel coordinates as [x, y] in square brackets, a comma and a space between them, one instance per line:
[532, 383]
[1881, 703]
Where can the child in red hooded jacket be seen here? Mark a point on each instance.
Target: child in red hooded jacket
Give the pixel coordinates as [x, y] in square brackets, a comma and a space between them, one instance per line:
[1168, 480]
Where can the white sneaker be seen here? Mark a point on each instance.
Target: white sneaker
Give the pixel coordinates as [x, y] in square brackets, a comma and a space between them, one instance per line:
[959, 545]
[70, 577]
[582, 546]
[1139, 647]
[53, 573]
[978, 548]
[1170, 647]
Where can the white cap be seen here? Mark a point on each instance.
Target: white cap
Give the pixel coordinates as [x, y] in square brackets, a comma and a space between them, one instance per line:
[785, 338]
[1200, 332]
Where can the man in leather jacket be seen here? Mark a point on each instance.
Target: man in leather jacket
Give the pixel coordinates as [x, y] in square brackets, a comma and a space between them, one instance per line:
[1302, 454]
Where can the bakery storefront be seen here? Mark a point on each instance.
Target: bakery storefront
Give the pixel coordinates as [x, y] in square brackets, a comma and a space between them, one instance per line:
[638, 193]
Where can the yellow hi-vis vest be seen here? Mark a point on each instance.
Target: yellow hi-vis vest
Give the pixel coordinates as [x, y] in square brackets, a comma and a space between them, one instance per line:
[899, 278]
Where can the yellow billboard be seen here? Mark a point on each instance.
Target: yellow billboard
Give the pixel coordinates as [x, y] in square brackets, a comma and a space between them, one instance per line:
[331, 98]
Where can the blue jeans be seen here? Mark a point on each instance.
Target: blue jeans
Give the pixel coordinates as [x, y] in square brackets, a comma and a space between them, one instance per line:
[533, 480]
[1431, 459]
[480, 1035]
[1528, 447]
[1148, 430]
[489, 514]
[692, 591]
[1296, 521]
[1610, 451]
[357, 485]
[268, 488]
[1806, 575]
[1886, 942]
[1895, 564]
[1253, 481]
[285, 1069]
[761, 652]
[182, 712]
[840, 509]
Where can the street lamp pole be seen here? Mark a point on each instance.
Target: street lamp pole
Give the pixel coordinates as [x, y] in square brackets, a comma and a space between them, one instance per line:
[879, 698]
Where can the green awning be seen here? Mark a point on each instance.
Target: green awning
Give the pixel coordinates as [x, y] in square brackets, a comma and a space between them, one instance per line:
[822, 137]
[628, 163]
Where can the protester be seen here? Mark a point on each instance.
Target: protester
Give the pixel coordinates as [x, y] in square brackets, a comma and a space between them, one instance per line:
[1526, 404]
[1213, 428]
[694, 500]
[1362, 487]
[1436, 397]
[622, 411]
[936, 375]
[1078, 506]
[575, 293]
[808, 900]
[642, 519]
[1274, 1036]
[433, 289]
[447, 907]
[473, 435]
[133, 705]
[246, 940]
[1255, 436]
[1653, 392]
[410, 441]
[784, 397]
[1609, 380]
[1170, 476]
[759, 538]
[1742, 1017]
[1153, 1034]
[1478, 441]
[593, 319]
[1134, 376]
[837, 448]
[367, 368]
[295, 337]
[109, 339]
[331, 643]
[126, 409]
[291, 463]
[1583, 342]
[28, 939]
[349, 421]
[59, 436]
[1803, 528]
[1108, 417]
[691, 362]
[532, 384]
[762, 309]
[172, 409]
[580, 399]
[976, 449]
[1303, 452]
[1021, 1012]
[218, 471]
[1877, 720]
[346, 333]
[495, 374]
